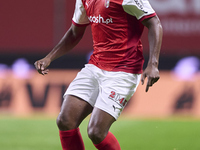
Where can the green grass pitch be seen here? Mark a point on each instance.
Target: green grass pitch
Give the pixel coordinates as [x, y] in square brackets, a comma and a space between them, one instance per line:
[133, 134]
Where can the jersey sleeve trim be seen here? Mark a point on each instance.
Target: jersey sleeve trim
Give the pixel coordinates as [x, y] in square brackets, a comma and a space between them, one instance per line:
[80, 16]
[80, 25]
[148, 16]
[136, 8]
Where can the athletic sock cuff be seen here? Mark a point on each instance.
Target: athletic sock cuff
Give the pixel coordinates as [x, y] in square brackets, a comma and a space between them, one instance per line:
[104, 142]
[69, 133]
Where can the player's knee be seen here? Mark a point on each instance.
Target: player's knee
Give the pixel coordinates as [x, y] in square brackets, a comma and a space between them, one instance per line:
[64, 122]
[96, 134]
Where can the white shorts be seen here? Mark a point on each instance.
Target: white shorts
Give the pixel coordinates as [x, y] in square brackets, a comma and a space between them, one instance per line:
[106, 90]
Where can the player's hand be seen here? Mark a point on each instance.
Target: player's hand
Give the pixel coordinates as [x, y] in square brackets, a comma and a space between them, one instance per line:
[42, 64]
[152, 74]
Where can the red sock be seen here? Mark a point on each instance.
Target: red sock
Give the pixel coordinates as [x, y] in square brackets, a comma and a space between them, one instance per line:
[109, 143]
[71, 140]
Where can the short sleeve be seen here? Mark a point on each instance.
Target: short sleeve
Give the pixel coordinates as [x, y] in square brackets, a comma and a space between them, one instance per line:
[138, 8]
[80, 17]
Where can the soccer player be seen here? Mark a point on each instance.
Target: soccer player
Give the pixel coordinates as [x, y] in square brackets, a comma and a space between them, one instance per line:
[104, 86]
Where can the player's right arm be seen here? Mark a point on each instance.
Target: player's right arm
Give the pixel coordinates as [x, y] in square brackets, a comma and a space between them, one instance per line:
[68, 42]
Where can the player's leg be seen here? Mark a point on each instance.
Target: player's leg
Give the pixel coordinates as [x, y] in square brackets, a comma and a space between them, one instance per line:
[75, 108]
[73, 111]
[98, 130]
[116, 88]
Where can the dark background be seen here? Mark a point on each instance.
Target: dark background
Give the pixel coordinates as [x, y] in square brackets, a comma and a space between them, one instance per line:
[31, 28]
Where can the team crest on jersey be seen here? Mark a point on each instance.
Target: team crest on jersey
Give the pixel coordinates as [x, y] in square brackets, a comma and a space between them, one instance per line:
[107, 3]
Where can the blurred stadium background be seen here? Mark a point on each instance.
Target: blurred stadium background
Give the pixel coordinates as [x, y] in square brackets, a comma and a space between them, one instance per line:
[167, 117]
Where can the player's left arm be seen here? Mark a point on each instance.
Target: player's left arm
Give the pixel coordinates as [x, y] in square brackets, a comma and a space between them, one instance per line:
[155, 33]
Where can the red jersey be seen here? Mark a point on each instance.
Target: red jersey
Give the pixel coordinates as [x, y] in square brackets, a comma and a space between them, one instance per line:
[116, 31]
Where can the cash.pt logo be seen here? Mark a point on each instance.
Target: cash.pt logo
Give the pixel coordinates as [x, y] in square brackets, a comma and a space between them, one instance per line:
[100, 19]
